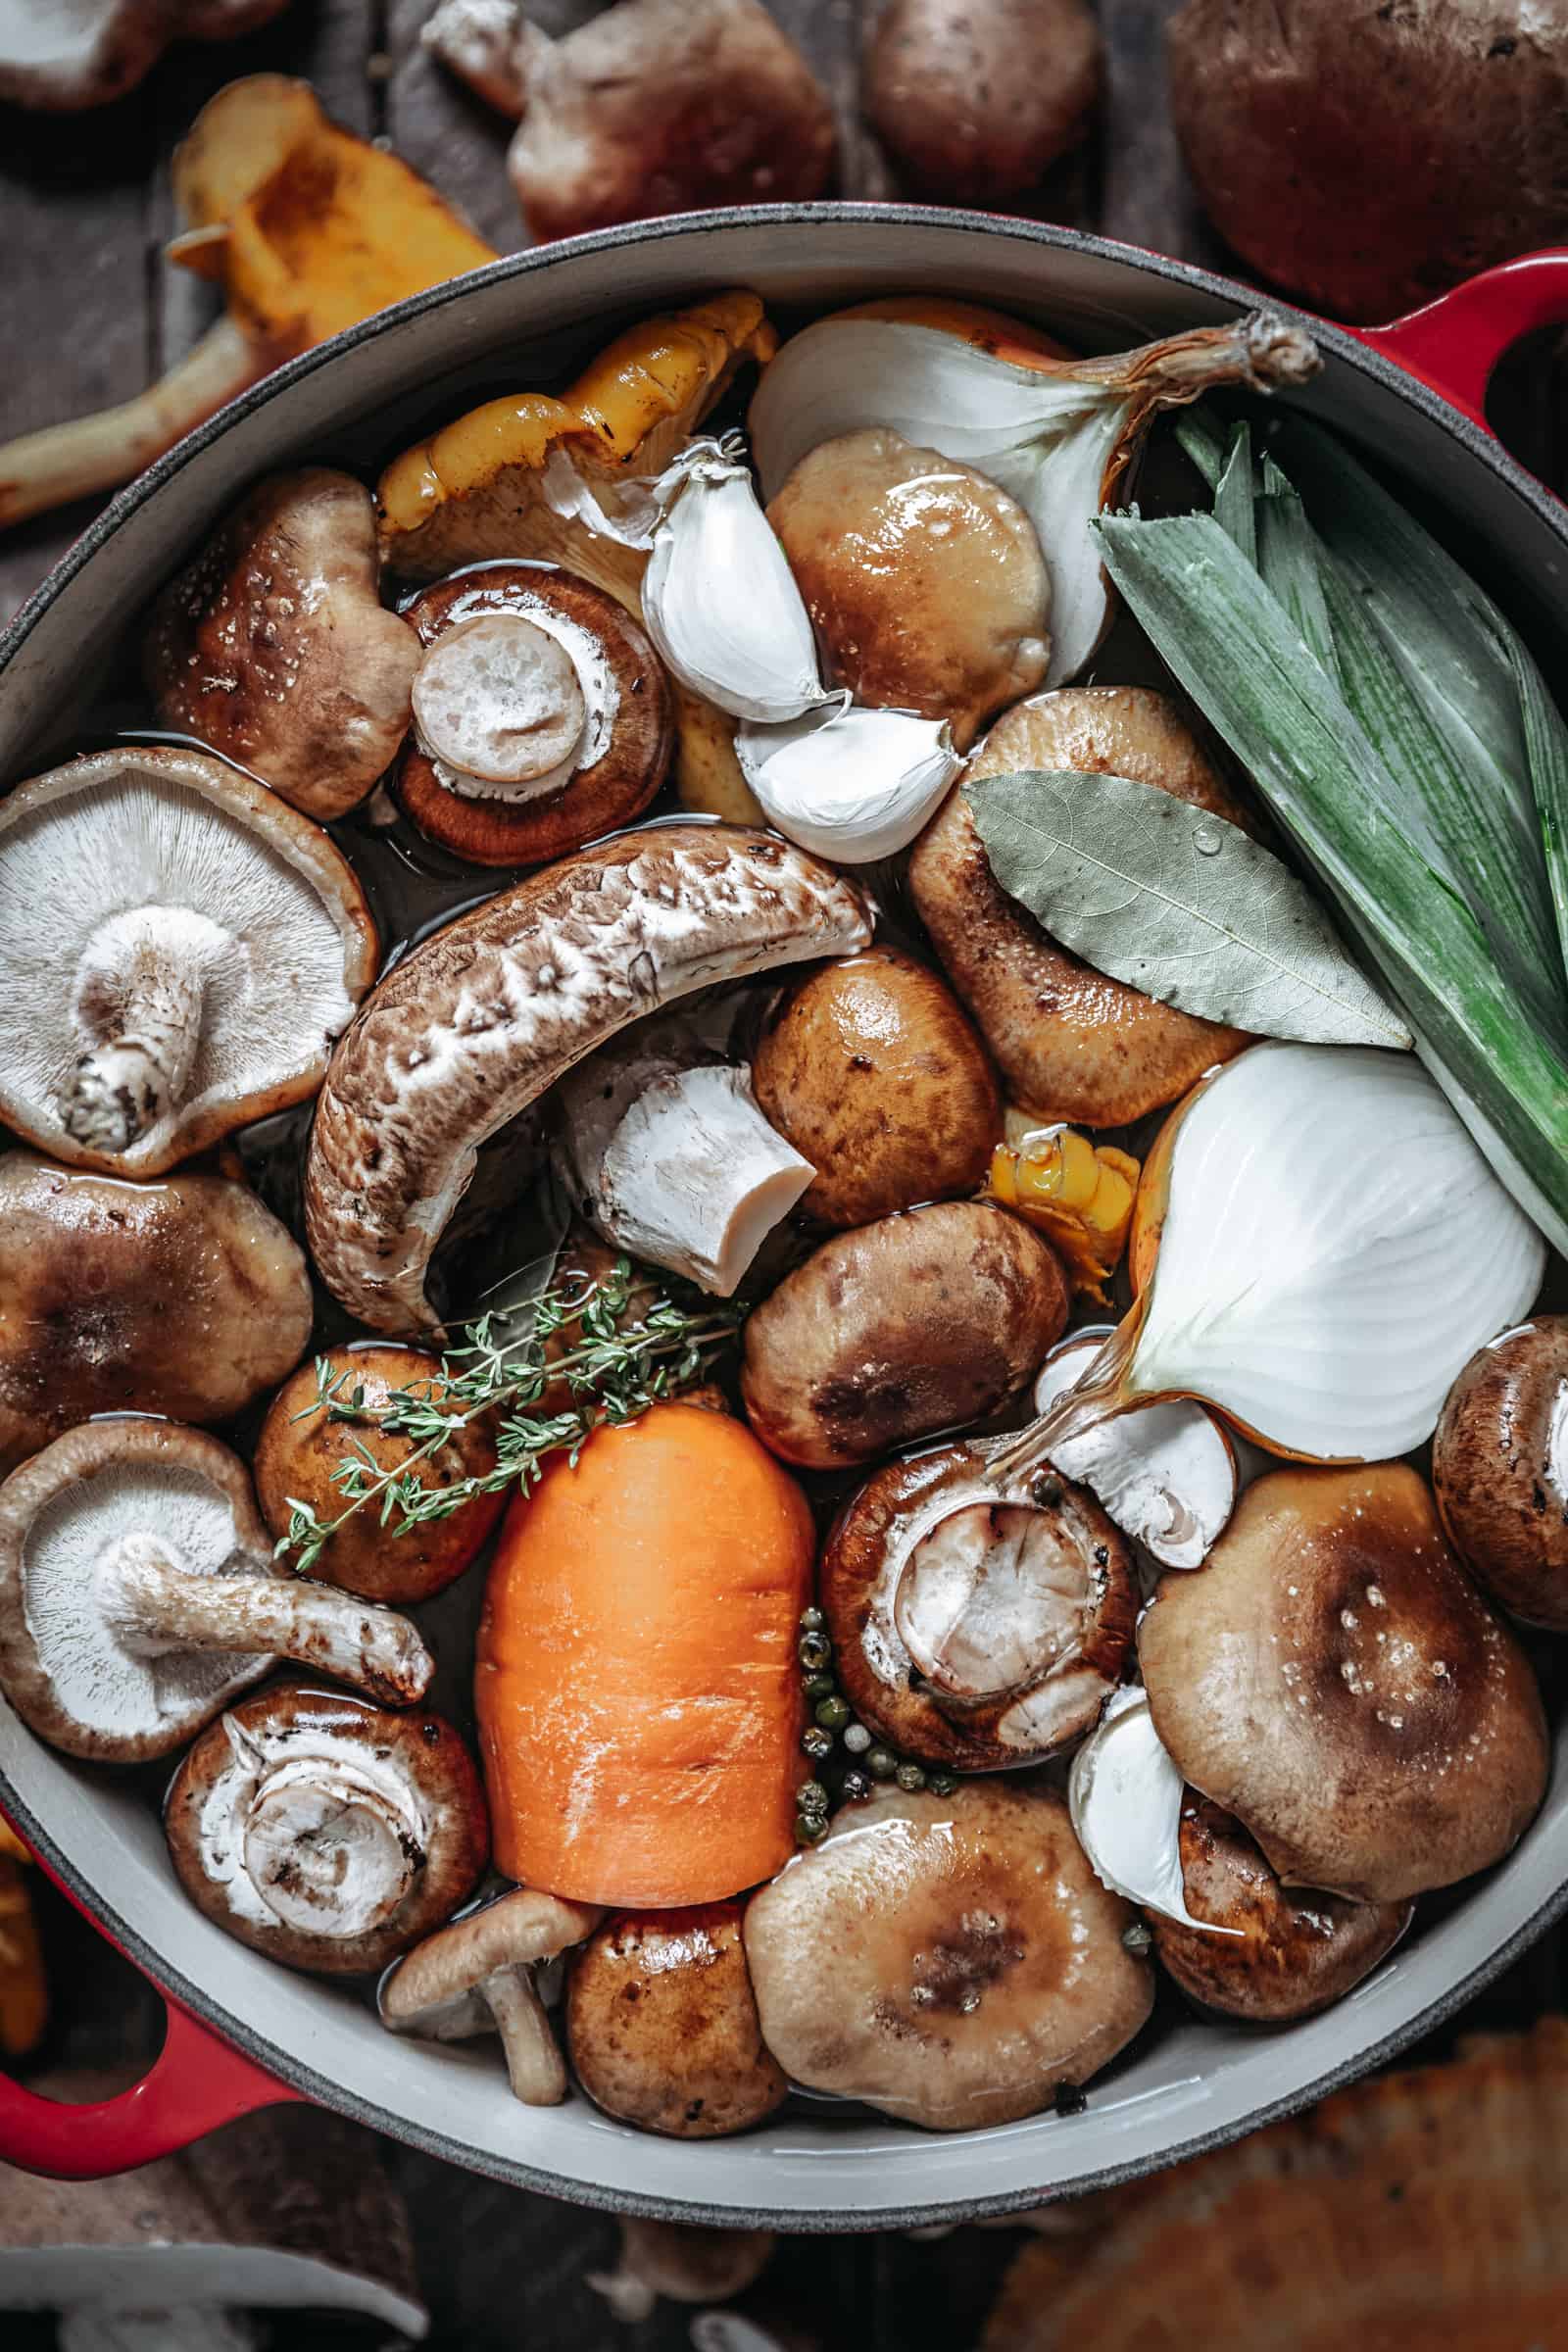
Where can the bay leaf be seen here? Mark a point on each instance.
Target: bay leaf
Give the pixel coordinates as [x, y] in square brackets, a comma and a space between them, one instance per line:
[1178, 903]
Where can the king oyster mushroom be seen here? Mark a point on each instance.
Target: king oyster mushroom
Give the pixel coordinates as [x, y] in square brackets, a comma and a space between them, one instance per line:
[478, 1021]
[1335, 1679]
[542, 715]
[1165, 1473]
[1499, 1469]
[138, 1591]
[324, 1832]
[178, 948]
[273, 645]
[476, 1976]
[953, 1960]
[185, 1298]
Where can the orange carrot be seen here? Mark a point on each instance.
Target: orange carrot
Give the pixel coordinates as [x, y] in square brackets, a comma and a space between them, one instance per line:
[637, 1682]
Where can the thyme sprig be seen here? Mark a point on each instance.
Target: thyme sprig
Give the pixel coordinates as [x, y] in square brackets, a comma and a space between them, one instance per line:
[632, 1347]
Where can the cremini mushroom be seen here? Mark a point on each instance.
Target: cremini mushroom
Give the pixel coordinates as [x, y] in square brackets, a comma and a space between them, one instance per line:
[1071, 1043]
[1165, 1473]
[476, 1976]
[1500, 1470]
[921, 1322]
[870, 1068]
[925, 582]
[274, 647]
[138, 1591]
[63, 56]
[324, 1832]
[976, 102]
[178, 950]
[952, 1960]
[542, 715]
[1387, 1734]
[1296, 1951]
[330, 1415]
[661, 2024]
[490, 44]
[478, 1021]
[185, 1298]
[670, 1157]
[974, 1624]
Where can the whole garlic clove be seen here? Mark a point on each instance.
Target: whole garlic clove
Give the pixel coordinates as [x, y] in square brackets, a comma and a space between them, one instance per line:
[1125, 1798]
[852, 785]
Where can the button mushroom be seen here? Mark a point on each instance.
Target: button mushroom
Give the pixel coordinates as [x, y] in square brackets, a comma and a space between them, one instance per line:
[324, 1832]
[330, 1414]
[662, 2027]
[925, 582]
[976, 1625]
[952, 1960]
[67, 55]
[542, 715]
[918, 1323]
[178, 951]
[185, 1298]
[870, 1069]
[1294, 1951]
[976, 102]
[476, 1976]
[478, 1022]
[1499, 1469]
[138, 1591]
[1071, 1043]
[1335, 1681]
[1165, 1473]
[274, 648]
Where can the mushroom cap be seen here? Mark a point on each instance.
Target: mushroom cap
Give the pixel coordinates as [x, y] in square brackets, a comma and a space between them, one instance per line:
[63, 56]
[1332, 1678]
[1077, 1611]
[951, 1960]
[924, 581]
[273, 645]
[413, 1766]
[185, 1298]
[977, 104]
[1499, 1469]
[430, 1990]
[65, 1666]
[166, 833]
[1296, 1950]
[662, 2027]
[628, 734]
[301, 1447]
[871, 1070]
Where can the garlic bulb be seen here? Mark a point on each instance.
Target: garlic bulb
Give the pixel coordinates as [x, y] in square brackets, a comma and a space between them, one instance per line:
[1126, 1798]
[851, 784]
[1057, 433]
[720, 600]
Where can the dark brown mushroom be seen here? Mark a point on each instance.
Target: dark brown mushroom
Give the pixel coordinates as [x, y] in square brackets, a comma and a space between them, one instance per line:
[1500, 1470]
[476, 1976]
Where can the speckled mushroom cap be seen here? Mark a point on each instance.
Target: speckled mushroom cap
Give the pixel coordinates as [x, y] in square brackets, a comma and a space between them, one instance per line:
[476, 1023]
[1332, 1678]
[951, 1960]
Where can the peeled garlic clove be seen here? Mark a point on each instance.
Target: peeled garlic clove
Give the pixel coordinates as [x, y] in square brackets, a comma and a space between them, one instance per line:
[1125, 1798]
[852, 785]
[1165, 1473]
[720, 600]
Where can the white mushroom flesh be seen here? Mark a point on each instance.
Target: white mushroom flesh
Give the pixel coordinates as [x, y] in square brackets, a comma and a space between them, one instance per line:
[509, 705]
[989, 1599]
[1165, 1473]
[1125, 1796]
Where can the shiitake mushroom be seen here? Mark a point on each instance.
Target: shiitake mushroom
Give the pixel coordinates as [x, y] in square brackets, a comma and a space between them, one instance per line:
[1500, 1470]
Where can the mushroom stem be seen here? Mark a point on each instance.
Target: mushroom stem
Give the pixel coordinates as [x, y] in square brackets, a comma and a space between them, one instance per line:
[534, 2065]
[138, 994]
[328, 1850]
[156, 1603]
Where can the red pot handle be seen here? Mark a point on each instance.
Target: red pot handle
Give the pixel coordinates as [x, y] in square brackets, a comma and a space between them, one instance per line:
[1454, 343]
[195, 2083]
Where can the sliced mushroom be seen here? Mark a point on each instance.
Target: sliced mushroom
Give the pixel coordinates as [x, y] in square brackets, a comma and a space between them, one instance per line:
[670, 1157]
[138, 1591]
[476, 1976]
[542, 715]
[1294, 1951]
[918, 1323]
[185, 1298]
[305, 1441]
[662, 2027]
[870, 1069]
[324, 1832]
[274, 648]
[1166, 1473]
[1071, 1043]
[178, 951]
[971, 1625]
[66, 55]
[952, 1960]
[1387, 1734]
[925, 582]
[475, 1023]
[1499, 1469]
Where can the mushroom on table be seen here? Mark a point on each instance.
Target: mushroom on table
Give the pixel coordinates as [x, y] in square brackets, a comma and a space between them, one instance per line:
[476, 1976]
[67, 55]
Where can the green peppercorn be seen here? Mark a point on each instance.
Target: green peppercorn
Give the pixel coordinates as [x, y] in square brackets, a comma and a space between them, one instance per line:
[911, 1777]
[881, 1763]
[1138, 1938]
[855, 1788]
[817, 1742]
[811, 1827]
[811, 1621]
[941, 1783]
[857, 1738]
[810, 1798]
[819, 1686]
[814, 1651]
[832, 1714]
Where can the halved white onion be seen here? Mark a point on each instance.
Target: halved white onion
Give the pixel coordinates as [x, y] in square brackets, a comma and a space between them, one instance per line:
[1125, 1796]
[848, 783]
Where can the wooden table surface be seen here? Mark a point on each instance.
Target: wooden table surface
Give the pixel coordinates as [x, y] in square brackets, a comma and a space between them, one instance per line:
[93, 315]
